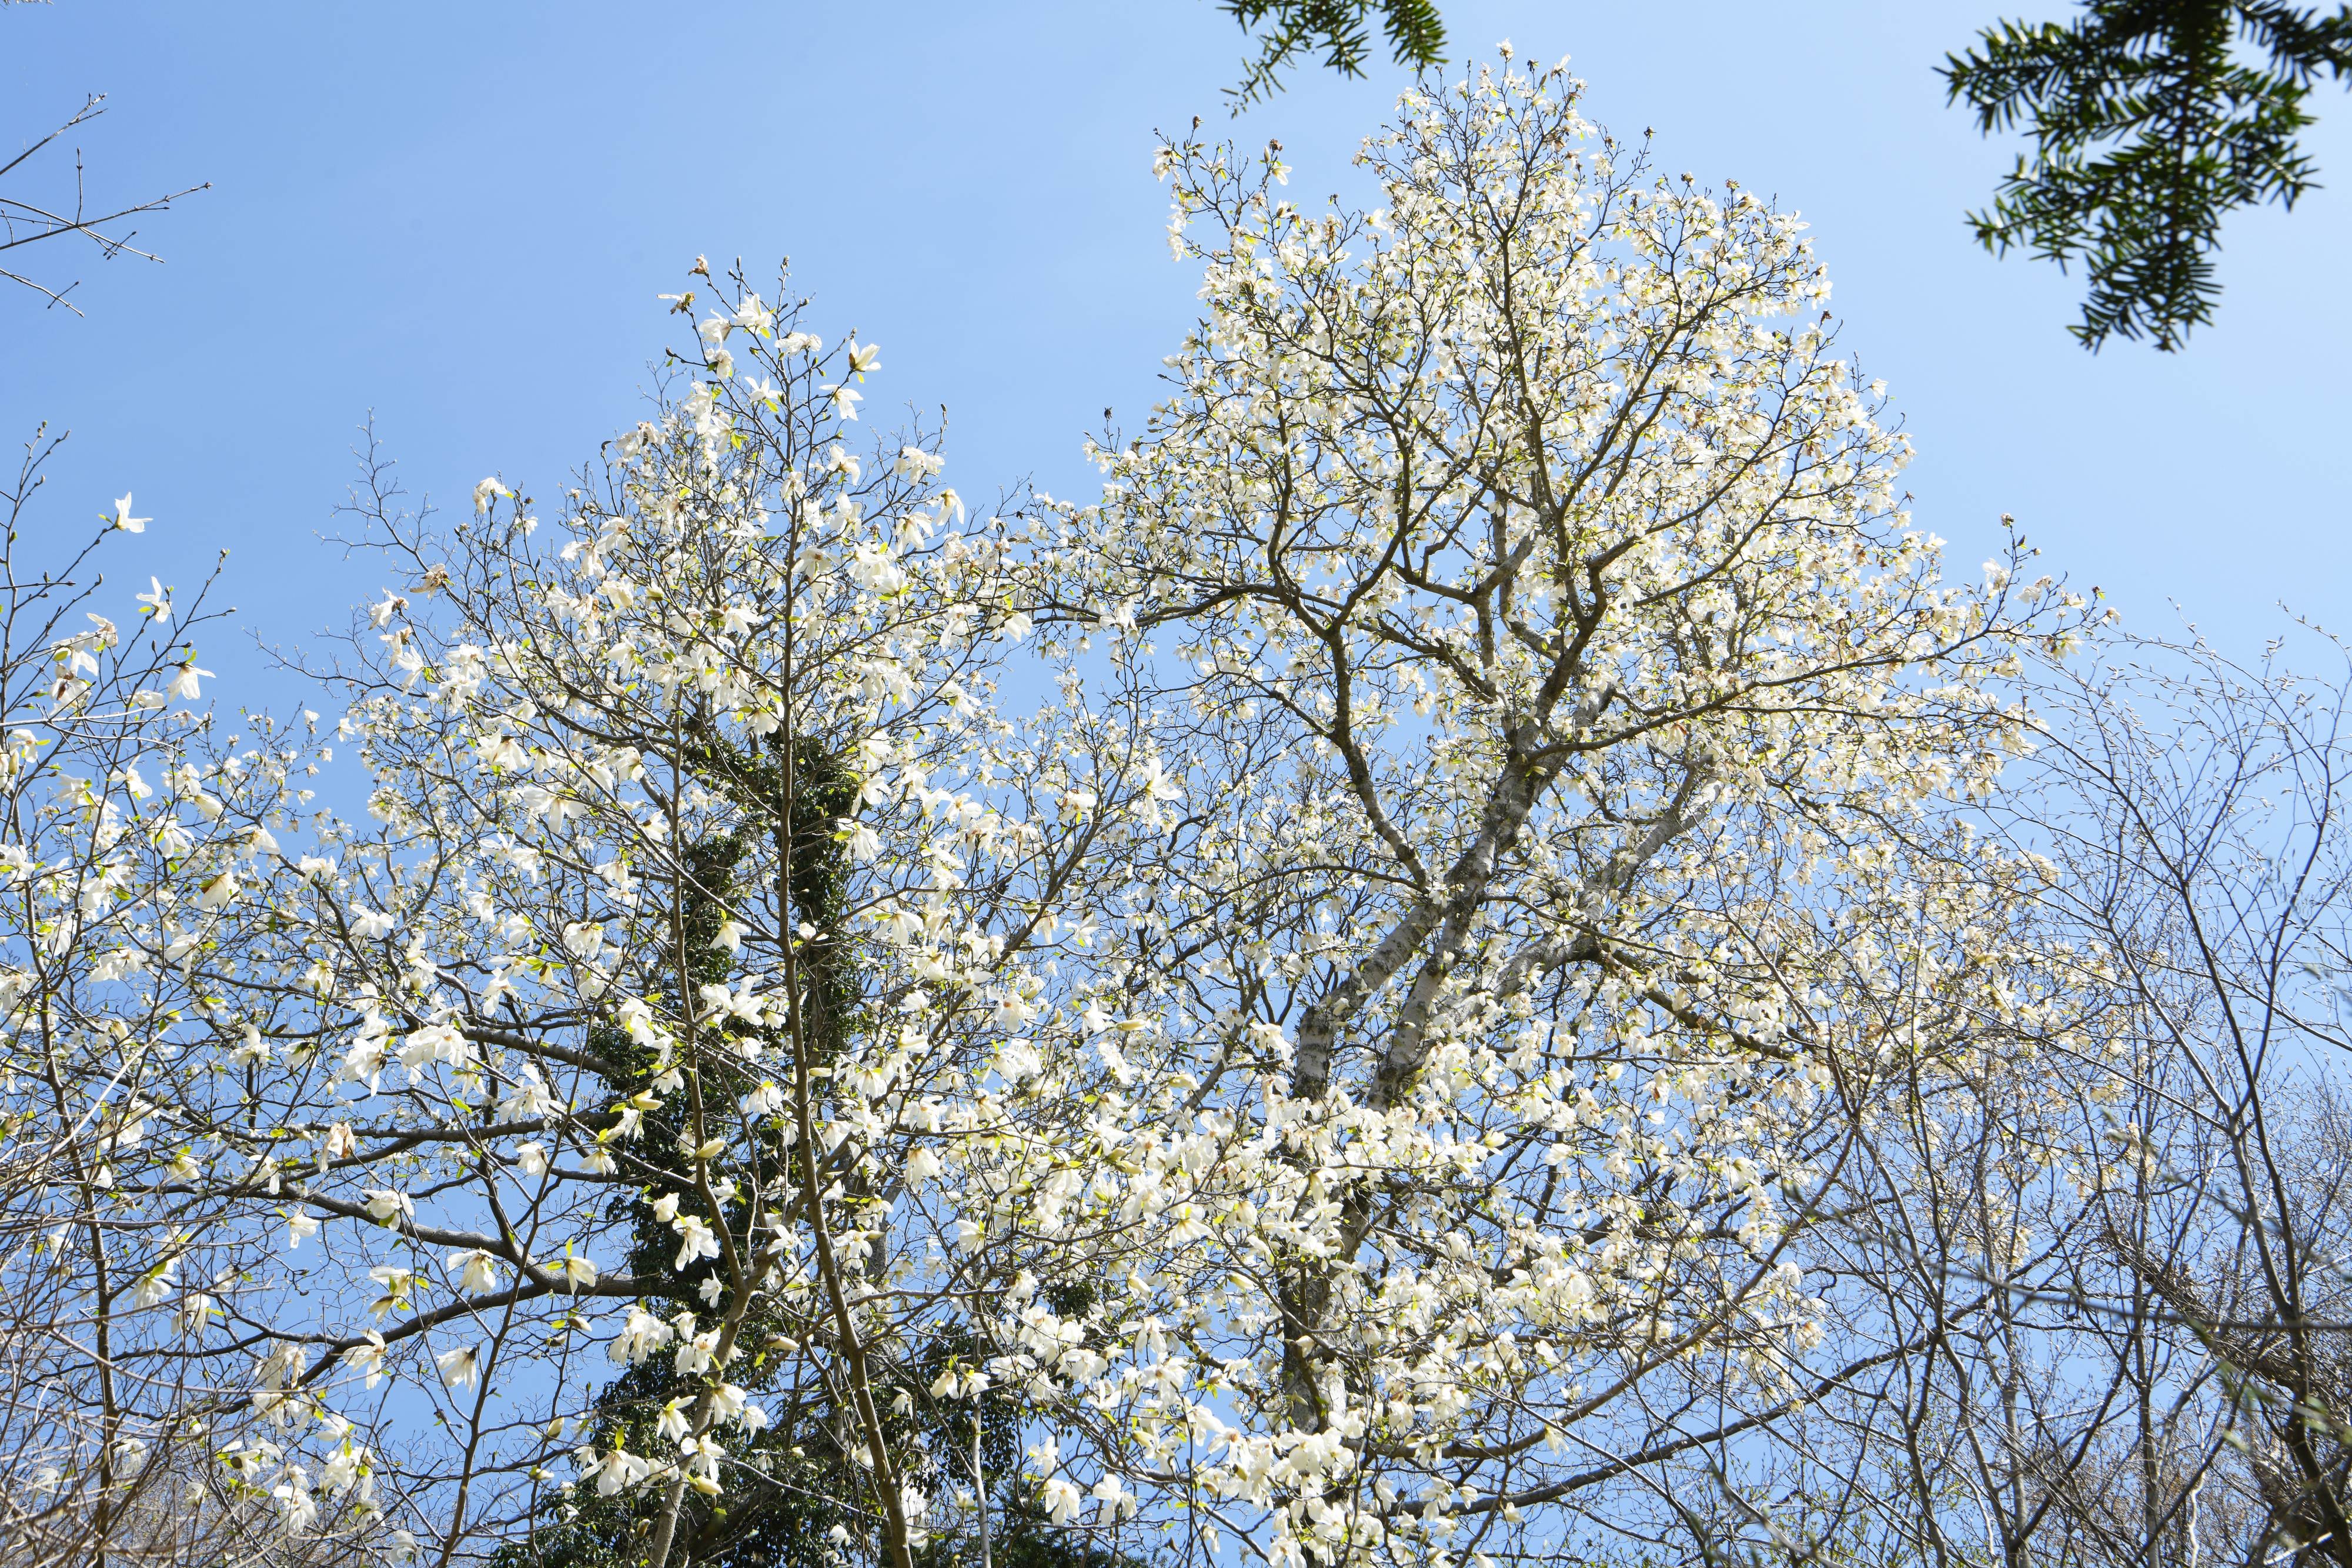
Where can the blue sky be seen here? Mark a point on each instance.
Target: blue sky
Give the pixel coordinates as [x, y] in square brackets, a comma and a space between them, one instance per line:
[457, 216]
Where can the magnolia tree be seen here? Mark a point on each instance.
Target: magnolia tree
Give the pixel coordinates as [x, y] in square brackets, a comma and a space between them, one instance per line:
[608, 1074]
[1565, 703]
[1293, 1012]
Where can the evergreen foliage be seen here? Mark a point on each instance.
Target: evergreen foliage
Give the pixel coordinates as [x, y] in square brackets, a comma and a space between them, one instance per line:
[795, 1481]
[1340, 28]
[2151, 121]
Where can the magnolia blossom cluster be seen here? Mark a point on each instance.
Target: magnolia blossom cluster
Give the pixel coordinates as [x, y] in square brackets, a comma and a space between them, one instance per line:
[1327, 984]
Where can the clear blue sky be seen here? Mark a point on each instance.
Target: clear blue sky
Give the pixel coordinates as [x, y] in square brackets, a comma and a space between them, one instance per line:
[458, 216]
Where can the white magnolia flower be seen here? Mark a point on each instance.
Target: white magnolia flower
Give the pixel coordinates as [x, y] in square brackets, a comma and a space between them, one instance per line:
[476, 1269]
[349, 1469]
[695, 1239]
[367, 1357]
[696, 1355]
[297, 1507]
[619, 1470]
[1113, 1501]
[387, 1206]
[156, 1287]
[642, 1334]
[459, 1369]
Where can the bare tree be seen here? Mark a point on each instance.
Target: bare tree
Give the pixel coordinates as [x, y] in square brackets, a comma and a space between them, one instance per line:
[29, 218]
[2101, 1242]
